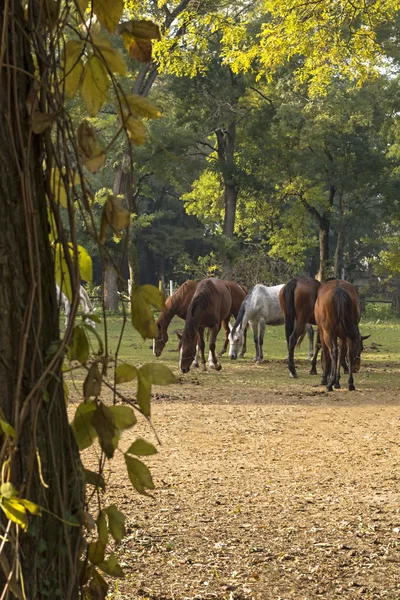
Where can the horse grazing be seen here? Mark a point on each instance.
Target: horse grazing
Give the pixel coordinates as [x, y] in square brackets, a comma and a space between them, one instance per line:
[210, 305]
[260, 308]
[297, 299]
[337, 315]
[178, 303]
[84, 301]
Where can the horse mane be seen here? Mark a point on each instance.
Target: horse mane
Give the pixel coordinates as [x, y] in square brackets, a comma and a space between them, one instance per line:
[201, 299]
[242, 310]
[344, 311]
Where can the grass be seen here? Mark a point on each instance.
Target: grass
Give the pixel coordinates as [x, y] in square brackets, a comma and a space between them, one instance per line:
[380, 366]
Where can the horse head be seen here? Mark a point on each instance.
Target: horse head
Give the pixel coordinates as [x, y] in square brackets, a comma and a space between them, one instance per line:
[187, 353]
[358, 351]
[160, 340]
[236, 339]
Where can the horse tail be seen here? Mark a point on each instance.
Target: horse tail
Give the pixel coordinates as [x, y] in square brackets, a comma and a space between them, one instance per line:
[290, 316]
[344, 311]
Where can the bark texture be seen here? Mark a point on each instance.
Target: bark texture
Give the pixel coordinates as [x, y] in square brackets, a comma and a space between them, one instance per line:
[49, 551]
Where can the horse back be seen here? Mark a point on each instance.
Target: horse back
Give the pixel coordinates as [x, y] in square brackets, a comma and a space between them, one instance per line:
[238, 294]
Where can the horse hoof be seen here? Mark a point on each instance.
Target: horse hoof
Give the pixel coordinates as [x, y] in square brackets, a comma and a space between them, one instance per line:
[329, 388]
[346, 371]
[351, 388]
[337, 386]
[195, 365]
[293, 375]
[241, 355]
[324, 382]
[313, 371]
[218, 366]
[203, 367]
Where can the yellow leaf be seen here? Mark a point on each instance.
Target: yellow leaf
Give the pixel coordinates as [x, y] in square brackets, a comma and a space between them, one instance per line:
[137, 48]
[85, 264]
[94, 85]
[136, 130]
[80, 346]
[116, 522]
[139, 474]
[113, 215]
[58, 188]
[142, 317]
[111, 566]
[87, 139]
[8, 490]
[41, 121]
[111, 57]
[95, 163]
[142, 29]
[15, 512]
[73, 75]
[142, 107]
[33, 508]
[153, 296]
[73, 50]
[141, 447]
[83, 4]
[124, 417]
[52, 225]
[125, 373]
[61, 271]
[143, 393]
[158, 374]
[108, 12]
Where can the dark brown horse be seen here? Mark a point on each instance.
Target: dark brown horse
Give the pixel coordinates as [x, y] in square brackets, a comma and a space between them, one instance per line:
[337, 315]
[178, 303]
[297, 300]
[210, 305]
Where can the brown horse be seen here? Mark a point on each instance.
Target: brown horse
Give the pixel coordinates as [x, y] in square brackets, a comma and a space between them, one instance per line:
[178, 303]
[337, 315]
[297, 300]
[210, 305]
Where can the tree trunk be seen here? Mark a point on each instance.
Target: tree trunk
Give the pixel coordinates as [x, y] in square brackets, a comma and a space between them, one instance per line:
[396, 302]
[323, 237]
[338, 250]
[32, 400]
[110, 283]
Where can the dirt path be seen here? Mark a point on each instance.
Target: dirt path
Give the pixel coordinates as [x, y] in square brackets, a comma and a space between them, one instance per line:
[266, 496]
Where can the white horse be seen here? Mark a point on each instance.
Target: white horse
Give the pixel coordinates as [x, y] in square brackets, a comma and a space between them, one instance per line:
[84, 301]
[260, 308]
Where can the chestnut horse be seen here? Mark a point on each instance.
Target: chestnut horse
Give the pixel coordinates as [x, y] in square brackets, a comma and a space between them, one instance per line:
[337, 315]
[178, 303]
[297, 300]
[210, 305]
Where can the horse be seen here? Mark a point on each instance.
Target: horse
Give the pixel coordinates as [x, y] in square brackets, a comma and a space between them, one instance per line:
[178, 303]
[337, 315]
[297, 300]
[84, 301]
[260, 308]
[210, 305]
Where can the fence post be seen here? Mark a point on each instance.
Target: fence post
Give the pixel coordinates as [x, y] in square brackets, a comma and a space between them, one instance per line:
[160, 285]
[396, 302]
[171, 287]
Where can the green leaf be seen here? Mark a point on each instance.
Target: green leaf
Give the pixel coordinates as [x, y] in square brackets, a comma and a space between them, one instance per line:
[15, 511]
[104, 423]
[141, 447]
[139, 475]
[116, 522]
[108, 13]
[94, 86]
[96, 552]
[80, 346]
[125, 373]
[124, 417]
[153, 296]
[8, 490]
[92, 383]
[141, 314]
[102, 528]
[95, 479]
[7, 428]
[158, 374]
[98, 588]
[143, 394]
[111, 566]
[92, 330]
[85, 433]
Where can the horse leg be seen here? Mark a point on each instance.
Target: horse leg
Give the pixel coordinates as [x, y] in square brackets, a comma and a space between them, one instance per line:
[261, 332]
[350, 362]
[325, 360]
[313, 370]
[202, 346]
[254, 327]
[310, 334]
[296, 333]
[344, 363]
[333, 352]
[225, 324]
[212, 359]
[244, 348]
[339, 363]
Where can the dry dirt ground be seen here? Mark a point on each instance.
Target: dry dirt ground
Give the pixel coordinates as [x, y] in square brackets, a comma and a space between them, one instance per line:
[264, 494]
